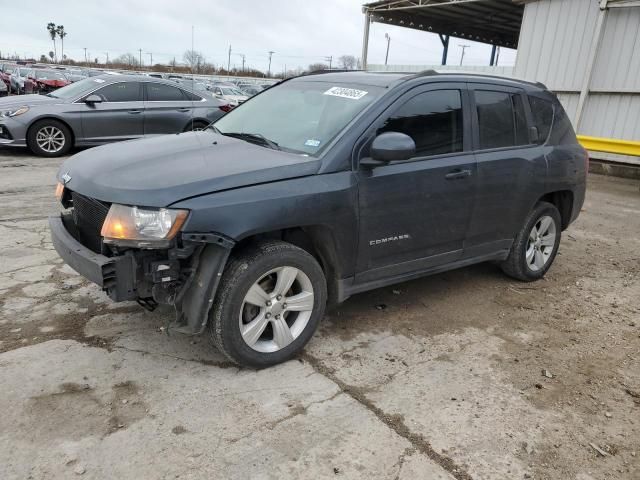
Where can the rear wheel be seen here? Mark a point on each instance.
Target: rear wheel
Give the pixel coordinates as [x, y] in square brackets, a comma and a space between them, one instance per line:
[49, 138]
[536, 245]
[196, 126]
[270, 301]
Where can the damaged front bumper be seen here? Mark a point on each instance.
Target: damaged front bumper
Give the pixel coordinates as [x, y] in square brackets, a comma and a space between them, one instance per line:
[185, 277]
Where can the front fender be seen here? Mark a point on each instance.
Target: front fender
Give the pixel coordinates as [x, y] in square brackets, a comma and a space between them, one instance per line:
[328, 200]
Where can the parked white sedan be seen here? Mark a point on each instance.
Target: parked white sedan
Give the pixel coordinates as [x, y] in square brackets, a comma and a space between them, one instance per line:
[233, 95]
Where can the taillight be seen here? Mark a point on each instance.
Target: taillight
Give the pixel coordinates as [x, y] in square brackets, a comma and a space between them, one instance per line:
[226, 108]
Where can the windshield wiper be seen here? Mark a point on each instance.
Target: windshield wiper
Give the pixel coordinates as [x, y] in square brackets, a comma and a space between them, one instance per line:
[256, 138]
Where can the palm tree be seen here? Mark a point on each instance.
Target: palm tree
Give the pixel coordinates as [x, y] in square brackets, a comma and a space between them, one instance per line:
[51, 28]
[61, 33]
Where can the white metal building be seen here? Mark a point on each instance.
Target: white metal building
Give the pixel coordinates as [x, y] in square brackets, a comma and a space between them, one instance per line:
[586, 51]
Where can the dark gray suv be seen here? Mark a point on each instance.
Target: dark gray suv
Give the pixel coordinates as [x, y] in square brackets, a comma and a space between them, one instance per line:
[319, 188]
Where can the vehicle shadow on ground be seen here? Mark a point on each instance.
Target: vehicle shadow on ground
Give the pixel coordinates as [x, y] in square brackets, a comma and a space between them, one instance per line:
[442, 303]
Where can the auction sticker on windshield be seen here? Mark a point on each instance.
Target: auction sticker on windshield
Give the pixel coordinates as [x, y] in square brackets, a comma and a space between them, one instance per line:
[351, 93]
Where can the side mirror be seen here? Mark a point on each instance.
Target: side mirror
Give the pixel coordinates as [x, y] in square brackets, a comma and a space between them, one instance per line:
[389, 147]
[91, 99]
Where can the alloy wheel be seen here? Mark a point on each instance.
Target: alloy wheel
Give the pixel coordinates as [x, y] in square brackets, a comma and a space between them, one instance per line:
[50, 139]
[276, 309]
[540, 244]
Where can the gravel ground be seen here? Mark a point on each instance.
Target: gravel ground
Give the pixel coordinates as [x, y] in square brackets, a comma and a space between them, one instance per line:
[465, 375]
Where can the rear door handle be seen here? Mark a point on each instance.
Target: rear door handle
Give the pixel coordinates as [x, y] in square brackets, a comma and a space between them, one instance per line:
[184, 109]
[457, 174]
[134, 111]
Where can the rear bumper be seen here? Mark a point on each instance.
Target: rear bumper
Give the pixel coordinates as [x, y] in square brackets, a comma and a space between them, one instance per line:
[117, 275]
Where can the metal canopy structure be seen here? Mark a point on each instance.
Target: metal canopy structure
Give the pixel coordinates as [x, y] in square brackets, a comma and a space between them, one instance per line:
[496, 22]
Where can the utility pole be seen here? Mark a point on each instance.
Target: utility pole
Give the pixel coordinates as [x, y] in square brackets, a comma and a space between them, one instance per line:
[229, 62]
[464, 47]
[269, 71]
[330, 60]
[85, 54]
[140, 50]
[386, 57]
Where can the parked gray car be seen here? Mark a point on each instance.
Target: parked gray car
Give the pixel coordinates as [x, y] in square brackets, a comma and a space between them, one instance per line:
[19, 79]
[103, 109]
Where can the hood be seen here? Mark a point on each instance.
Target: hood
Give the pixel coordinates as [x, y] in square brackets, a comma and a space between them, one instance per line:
[162, 170]
[29, 100]
[53, 82]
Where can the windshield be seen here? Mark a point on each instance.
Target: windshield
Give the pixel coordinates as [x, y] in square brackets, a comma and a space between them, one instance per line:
[50, 76]
[301, 116]
[23, 72]
[231, 91]
[77, 89]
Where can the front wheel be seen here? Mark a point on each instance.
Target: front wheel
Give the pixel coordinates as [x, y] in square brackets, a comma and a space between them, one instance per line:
[536, 245]
[270, 302]
[49, 138]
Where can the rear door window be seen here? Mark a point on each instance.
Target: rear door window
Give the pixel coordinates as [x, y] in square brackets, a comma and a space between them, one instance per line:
[501, 119]
[542, 111]
[120, 92]
[159, 92]
[434, 121]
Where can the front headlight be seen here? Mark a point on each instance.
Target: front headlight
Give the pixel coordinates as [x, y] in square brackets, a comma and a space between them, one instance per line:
[142, 227]
[14, 112]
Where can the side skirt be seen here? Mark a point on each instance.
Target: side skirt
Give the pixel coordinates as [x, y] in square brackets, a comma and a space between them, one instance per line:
[347, 287]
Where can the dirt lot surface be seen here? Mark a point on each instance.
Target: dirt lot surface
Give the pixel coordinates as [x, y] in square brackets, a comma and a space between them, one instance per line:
[465, 375]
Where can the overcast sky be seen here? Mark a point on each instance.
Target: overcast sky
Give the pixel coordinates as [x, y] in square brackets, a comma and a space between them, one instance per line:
[299, 31]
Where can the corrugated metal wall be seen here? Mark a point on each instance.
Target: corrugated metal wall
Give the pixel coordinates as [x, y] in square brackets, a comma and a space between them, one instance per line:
[554, 46]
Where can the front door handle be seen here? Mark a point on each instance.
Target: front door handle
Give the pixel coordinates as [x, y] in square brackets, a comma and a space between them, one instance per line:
[457, 174]
[134, 111]
[184, 109]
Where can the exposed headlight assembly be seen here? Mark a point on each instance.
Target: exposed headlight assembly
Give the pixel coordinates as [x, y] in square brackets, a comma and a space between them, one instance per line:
[14, 112]
[142, 227]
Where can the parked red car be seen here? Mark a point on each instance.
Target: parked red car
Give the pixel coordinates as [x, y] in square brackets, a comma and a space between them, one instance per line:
[48, 80]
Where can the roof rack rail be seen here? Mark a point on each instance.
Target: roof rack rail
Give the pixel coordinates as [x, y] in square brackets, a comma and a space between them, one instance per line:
[334, 70]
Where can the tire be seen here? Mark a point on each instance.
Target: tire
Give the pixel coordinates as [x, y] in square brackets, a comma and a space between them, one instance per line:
[195, 126]
[532, 253]
[269, 265]
[59, 132]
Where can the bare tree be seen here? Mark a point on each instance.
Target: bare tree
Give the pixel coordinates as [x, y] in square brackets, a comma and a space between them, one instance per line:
[348, 62]
[127, 59]
[194, 59]
[317, 66]
[51, 28]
